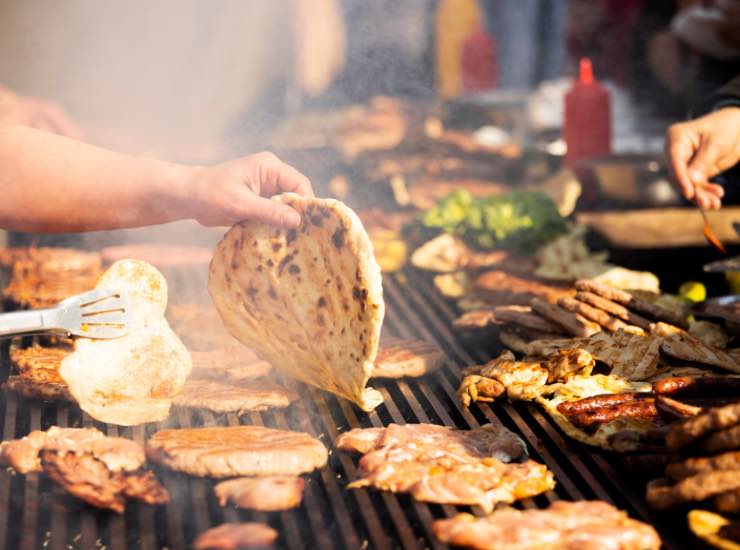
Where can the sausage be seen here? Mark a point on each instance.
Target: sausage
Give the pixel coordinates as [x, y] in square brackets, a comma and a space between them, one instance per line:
[642, 408]
[700, 386]
[613, 308]
[671, 410]
[598, 402]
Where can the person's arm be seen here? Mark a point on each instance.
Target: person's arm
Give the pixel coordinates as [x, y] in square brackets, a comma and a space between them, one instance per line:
[50, 183]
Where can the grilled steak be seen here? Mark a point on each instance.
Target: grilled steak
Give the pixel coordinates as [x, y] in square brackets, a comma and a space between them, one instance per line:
[232, 536]
[400, 358]
[38, 373]
[446, 465]
[234, 396]
[100, 470]
[42, 277]
[269, 493]
[23, 454]
[31, 389]
[99, 475]
[236, 451]
[562, 526]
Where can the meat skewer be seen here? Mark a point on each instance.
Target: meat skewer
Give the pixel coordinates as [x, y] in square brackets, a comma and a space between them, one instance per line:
[613, 308]
[612, 324]
[574, 323]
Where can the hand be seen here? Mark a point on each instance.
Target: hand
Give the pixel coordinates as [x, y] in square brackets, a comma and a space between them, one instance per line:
[40, 114]
[702, 148]
[237, 190]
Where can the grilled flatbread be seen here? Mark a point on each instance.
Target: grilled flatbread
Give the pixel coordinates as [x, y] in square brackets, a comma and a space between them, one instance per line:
[308, 300]
[132, 379]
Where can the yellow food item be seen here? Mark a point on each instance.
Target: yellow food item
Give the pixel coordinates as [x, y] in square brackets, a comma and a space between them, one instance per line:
[693, 291]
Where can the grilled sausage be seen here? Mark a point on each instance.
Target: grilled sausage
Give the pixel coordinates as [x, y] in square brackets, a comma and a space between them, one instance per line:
[573, 323]
[642, 408]
[596, 402]
[612, 324]
[700, 386]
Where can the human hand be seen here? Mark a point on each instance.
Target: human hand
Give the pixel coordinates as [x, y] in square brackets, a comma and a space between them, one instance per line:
[238, 190]
[702, 148]
[40, 114]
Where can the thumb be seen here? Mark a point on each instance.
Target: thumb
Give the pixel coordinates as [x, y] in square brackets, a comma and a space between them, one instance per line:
[704, 164]
[271, 212]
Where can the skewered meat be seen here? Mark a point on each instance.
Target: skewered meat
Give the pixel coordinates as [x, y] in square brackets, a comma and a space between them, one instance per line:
[573, 323]
[613, 308]
[398, 358]
[722, 440]
[236, 451]
[257, 394]
[728, 502]
[232, 536]
[696, 465]
[637, 304]
[662, 495]
[269, 493]
[671, 410]
[686, 432]
[523, 315]
[499, 287]
[446, 465]
[591, 313]
[562, 526]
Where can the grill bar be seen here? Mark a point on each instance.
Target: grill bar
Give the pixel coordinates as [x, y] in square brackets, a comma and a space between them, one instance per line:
[331, 516]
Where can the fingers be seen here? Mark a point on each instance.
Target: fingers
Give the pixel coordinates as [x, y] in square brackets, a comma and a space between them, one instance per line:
[679, 154]
[276, 176]
[704, 164]
[709, 196]
[269, 212]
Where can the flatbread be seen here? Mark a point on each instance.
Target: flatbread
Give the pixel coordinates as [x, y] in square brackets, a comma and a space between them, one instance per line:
[308, 300]
[132, 379]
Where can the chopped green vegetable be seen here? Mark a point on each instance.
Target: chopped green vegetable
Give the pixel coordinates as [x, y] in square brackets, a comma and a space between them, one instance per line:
[518, 220]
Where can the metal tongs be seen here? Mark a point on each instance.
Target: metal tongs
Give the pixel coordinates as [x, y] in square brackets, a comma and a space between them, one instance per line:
[101, 313]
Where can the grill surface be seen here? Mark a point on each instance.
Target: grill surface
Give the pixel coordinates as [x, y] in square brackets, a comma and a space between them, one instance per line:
[34, 513]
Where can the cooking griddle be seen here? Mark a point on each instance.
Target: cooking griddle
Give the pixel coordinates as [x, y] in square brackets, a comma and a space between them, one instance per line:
[35, 513]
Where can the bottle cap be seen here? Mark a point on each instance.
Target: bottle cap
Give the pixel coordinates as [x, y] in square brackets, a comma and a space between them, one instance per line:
[586, 72]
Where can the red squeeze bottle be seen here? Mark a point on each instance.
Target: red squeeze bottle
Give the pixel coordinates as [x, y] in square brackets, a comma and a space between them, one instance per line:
[587, 125]
[478, 62]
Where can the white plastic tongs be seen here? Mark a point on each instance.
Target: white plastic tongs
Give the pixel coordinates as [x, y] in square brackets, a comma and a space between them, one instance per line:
[101, 313]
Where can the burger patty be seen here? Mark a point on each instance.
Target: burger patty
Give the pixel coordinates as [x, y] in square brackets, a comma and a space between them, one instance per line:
[228, 451]
[400, 358]
[231, 536]
[239, 396]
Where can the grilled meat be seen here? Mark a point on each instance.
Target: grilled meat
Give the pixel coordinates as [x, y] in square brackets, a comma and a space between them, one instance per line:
[86, 475]
[614, 309]
[637, 408]
[499, 287]
[269, 493]
[639, 305]
[681, 345]
[398, 358]
[697, 386]
[477, 319]
[717, 419]
[200, 328]
[23, 454]
[446, 465]
[722, 440]
[598, 316]
[597, 402]
[232, 536]
[728, 502]
[696, 465]
[573, 323]
[31, 389]
[236, 451]
[585, 525]
[671, 410]
[525, 317]
[256, 394]
[661, 494]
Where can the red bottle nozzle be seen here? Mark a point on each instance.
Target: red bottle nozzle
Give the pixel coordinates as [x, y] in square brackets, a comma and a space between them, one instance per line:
[586, 72]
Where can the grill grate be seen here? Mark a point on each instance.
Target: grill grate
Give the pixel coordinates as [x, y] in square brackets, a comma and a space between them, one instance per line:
[34, 513]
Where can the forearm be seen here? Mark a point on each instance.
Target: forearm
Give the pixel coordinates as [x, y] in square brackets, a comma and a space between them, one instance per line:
[54, 184]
